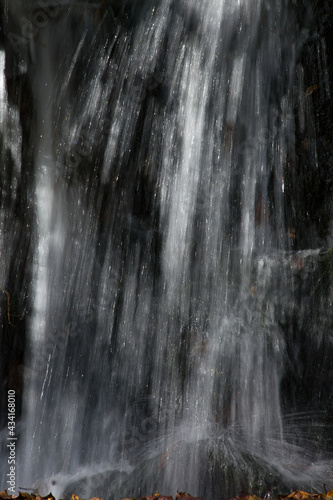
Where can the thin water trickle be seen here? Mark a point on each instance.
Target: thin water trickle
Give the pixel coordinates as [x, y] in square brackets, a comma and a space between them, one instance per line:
[167, 296]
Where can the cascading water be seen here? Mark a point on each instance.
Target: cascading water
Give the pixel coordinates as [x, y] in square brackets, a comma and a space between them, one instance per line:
[150, 172]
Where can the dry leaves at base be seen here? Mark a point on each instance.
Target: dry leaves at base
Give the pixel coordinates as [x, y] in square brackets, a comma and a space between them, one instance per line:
[296, 495]
[24, 496]
[303, 495]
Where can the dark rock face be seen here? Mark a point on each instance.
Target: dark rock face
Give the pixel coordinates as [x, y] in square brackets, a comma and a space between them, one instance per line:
[221, 472]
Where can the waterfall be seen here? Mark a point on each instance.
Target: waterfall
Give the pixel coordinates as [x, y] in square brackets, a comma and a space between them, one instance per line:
[172, 299]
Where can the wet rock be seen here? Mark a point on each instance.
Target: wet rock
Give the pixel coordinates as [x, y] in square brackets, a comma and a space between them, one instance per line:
[96, 485]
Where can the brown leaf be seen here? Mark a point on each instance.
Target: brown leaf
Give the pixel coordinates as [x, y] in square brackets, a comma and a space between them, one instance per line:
[292, 233]
[50, 497]
[301, 495]
[4, 494]
[311, 89]
[186, 496]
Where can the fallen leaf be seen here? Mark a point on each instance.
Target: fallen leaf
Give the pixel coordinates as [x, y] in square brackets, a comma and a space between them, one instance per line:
[292, 233]
[185, 496]
[311, 89]
[301, 495]
[4, 494]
